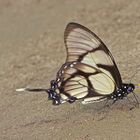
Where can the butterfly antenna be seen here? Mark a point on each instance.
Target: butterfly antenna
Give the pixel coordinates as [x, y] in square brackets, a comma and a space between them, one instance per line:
[129, 100]
[32, 89]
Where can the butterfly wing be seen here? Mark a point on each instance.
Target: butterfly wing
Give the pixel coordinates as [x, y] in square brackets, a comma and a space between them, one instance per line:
[90, 70]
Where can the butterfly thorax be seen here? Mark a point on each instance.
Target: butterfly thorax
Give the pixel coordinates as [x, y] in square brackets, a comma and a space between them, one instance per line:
[122, 92]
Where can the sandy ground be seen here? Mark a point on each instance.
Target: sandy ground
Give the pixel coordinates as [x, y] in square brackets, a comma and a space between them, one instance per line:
[31, 52]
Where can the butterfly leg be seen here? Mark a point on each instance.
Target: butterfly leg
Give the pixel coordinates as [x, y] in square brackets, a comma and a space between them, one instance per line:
[114, 101]
[106, 103]
[136, 98]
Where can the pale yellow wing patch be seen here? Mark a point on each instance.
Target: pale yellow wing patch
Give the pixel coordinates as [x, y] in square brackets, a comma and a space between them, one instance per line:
[104, 80]
[102, 83]
[93, 99]
[76, 87]
[85, 68]
[97, 57]
[67, 71]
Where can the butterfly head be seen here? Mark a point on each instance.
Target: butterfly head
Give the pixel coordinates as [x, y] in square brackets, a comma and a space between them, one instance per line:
[53, 95]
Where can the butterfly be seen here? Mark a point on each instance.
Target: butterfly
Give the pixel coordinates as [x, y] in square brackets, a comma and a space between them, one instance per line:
[89, 74]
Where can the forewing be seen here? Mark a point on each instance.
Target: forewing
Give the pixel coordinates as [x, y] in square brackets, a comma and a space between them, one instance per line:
[84, 46]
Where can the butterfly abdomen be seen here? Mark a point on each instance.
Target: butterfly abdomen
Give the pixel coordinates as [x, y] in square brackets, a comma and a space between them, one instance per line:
[122, 92]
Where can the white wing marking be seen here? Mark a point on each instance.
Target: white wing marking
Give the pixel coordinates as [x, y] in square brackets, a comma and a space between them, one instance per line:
[94, 99]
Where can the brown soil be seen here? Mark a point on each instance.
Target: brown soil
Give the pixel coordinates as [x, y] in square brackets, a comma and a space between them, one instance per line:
[31, 52]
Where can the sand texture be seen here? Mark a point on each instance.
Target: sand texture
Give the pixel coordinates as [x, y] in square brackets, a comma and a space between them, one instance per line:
[31, 52]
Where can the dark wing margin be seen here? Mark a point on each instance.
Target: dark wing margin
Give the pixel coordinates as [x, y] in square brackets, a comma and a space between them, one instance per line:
[80, 41]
